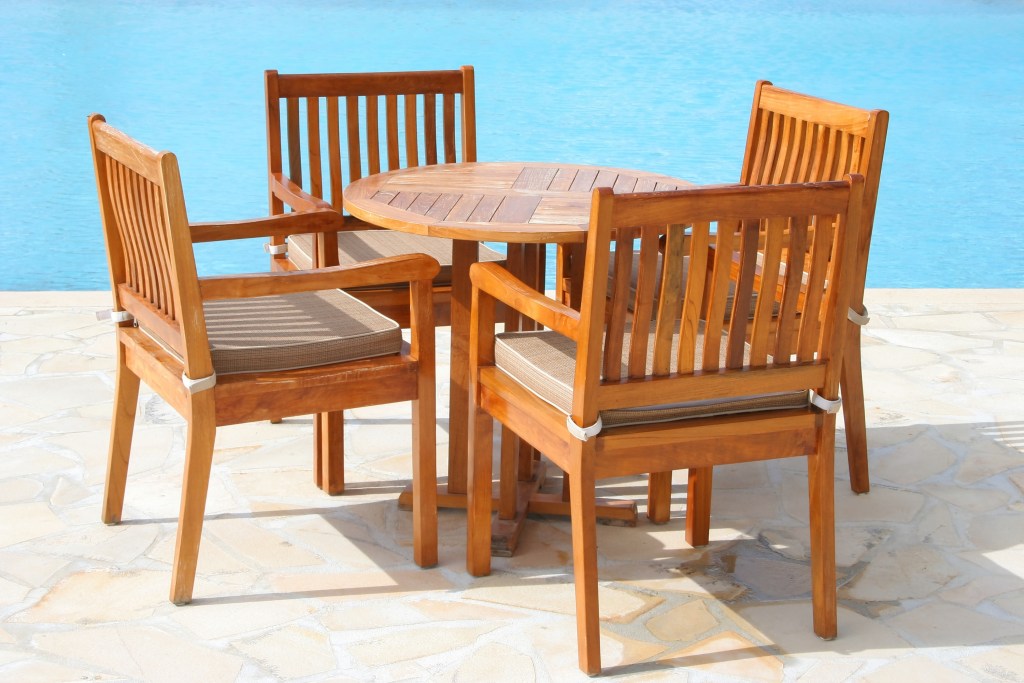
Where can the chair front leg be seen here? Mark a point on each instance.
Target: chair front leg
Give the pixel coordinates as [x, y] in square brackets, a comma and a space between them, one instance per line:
[126, 401]
[821, 493]
[478, 503]
[424, 476]
[659, 496]
[202, 429]
[583, 510]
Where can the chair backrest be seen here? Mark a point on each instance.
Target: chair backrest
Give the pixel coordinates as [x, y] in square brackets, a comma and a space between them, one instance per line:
[653, 348]
[149, 250]
[796, 138]
[340, 127]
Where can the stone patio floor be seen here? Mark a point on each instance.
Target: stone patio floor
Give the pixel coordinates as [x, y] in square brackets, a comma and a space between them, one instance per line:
[296, 585]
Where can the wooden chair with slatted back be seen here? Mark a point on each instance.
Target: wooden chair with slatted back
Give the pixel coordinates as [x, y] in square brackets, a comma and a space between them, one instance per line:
[231, 349]
[333, 129]
[638, 387]
[795, 138]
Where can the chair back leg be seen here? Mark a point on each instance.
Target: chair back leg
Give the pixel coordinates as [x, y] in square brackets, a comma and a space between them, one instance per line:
[126, 401]
[329, 452]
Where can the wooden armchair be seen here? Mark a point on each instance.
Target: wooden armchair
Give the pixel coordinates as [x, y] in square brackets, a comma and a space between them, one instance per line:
[231, 349]
[796, 138]
[637, 387]
[336, 128]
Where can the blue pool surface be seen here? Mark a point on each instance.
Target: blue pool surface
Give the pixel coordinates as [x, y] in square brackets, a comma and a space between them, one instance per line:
[658, 86]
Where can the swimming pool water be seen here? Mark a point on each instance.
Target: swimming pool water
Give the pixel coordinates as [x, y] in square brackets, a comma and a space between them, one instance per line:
[659, 86]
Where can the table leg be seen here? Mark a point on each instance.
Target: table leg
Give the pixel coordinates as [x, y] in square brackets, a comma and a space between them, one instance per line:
[464, 254]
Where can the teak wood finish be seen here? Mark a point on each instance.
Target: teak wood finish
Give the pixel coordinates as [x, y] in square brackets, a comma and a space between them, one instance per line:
[796, 138]
[153, 277]
[802, 353]
[512, 202]
[332, 129]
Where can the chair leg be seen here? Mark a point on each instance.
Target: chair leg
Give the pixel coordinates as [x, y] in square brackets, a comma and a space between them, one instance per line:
[126, 401]
[583, 511]
[821, 493]
[329, 451]
[698, 505]
[659, 496]
[202, 428]
[852, 390]
[424, 479]
[478, 503]
[508, 476]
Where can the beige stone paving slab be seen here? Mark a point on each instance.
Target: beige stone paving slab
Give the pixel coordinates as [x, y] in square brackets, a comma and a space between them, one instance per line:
[141, 653]
[1005, 663]
[918, 670]
[27, 521]
[212, 621]
[787, 627]
[294, 651]
[495, 663]
[99, 597]
[19, 490]
[902, 573]
[730, 654]
[415, 642]
[685, 622]
[35, 671]
[944, 625]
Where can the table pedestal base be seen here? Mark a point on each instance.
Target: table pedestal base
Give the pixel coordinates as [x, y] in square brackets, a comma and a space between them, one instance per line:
[505, 532]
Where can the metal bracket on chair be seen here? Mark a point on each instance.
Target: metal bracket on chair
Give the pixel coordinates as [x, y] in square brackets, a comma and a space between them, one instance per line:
[818, 401]
[856, 318]
[583, 433]
[115, 316]
[194, 386]
[275, 249]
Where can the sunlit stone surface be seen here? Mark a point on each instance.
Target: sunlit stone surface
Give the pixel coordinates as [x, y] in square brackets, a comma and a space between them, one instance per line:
[294, 584]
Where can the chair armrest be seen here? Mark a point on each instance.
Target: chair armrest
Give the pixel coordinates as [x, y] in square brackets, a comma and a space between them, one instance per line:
[294, 196]
[497, 282]
[406, 268]
[318, 220]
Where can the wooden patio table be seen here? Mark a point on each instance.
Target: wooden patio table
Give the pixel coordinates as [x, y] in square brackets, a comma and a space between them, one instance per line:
[469, 203]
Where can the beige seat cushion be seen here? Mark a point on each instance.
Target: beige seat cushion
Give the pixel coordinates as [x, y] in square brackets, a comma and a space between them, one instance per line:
[363, 245]
[544, 362]
[306, 329]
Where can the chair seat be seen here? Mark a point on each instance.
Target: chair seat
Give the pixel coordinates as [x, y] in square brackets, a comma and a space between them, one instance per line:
[544, 362]
[292, 331]
[355, 246]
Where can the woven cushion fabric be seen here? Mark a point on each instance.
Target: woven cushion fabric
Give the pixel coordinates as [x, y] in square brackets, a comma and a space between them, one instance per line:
[545, 362]
[290, 331]
[364, 245]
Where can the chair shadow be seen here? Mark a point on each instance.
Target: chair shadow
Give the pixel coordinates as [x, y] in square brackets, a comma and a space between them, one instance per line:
[982, 456]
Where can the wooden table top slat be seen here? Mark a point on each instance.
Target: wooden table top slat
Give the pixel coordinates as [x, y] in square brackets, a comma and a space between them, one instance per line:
[492, 201]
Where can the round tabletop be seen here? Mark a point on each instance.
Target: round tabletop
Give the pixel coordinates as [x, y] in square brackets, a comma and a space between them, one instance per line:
[493, 201]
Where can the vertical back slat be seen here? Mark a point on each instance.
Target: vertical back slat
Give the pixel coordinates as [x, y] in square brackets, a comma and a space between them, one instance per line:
[391, 128]
[334, 151]
[372, 135]
[316, 184]
[816, 264]
[670, 298]
[294, 143]
[643, 306]
[749, 241]
[430, 127]
[355, 161]
[789, 306]
[619, 304]
[718, 297]
[412, 154]
[448, 114]
[696, 280]
[771, 260]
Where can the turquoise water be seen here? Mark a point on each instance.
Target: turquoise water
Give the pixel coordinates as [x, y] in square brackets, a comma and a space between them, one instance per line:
[658, 86]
